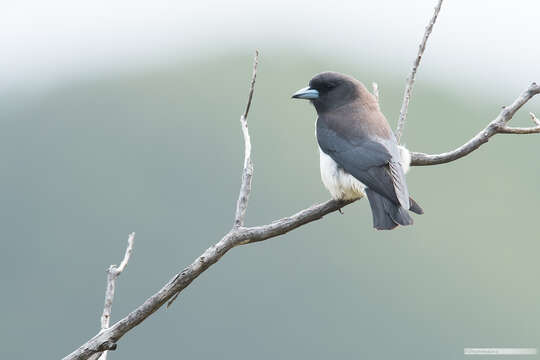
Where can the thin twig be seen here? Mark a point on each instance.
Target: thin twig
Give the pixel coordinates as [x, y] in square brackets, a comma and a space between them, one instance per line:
[247, 171]
[497, 126]
[534, 119]
[410, 80]
[523, 130]
[113, 272]
[252, 83]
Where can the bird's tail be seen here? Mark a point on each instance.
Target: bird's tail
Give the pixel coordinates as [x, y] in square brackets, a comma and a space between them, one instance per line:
[386, 214]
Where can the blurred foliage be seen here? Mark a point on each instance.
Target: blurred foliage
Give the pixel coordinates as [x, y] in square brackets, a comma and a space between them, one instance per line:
[159, 152]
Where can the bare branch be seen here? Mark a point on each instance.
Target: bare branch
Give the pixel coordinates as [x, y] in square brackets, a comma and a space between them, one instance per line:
[247, 172]
[375, 90]
[410, 80]
[252, 83]
[497, 126]
[113, 272]
[284, 225]
[522, 130]
[127, 255]
[107, 338]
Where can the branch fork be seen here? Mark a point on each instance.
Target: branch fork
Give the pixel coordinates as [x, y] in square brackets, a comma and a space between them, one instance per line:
[113, 272]
[498, 126]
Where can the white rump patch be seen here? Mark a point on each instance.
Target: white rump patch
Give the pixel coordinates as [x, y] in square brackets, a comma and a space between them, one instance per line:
[406, 158]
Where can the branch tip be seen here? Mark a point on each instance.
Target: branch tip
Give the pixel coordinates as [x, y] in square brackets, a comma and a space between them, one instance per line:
[534, 119]
[411, 78]
[252, 83]
[112, 274]
[247, 171]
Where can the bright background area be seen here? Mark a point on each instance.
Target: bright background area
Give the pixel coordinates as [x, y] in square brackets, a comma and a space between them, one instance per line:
[488, 46]
[123, 116]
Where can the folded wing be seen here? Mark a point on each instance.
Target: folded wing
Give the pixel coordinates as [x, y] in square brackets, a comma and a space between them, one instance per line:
[374, 162]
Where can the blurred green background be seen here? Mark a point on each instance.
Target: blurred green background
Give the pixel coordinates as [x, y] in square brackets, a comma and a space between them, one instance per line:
[159, 152]
[124, 116]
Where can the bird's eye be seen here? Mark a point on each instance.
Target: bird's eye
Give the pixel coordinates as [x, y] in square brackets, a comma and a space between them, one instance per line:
[329, 86]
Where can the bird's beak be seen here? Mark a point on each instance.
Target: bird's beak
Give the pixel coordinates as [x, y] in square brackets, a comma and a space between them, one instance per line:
[306, 93]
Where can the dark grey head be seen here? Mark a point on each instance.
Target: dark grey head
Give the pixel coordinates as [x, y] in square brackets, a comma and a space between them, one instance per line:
[329, 90]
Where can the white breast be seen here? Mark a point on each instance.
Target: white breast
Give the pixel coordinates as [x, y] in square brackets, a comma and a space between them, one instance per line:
[343, 185]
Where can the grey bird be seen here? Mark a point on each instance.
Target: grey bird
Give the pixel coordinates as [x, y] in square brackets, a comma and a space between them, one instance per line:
[359, 154]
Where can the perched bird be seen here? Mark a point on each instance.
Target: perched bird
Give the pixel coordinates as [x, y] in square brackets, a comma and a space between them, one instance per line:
[359, 154]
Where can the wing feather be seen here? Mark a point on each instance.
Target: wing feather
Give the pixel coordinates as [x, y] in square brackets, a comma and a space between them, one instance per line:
[374, 163]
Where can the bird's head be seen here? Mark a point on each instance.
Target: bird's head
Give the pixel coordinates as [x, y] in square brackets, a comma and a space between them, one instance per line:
[329, 90]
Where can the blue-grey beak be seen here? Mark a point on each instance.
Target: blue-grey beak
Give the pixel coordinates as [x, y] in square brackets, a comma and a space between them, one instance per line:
[306, 93]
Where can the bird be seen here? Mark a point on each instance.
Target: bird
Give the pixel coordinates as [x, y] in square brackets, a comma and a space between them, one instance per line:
[359, 154]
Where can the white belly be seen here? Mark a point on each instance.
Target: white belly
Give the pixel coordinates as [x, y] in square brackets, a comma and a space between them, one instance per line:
[343, 185]
[339, 183]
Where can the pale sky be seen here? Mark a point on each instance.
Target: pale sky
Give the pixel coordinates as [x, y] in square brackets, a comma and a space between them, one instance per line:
[492, 45]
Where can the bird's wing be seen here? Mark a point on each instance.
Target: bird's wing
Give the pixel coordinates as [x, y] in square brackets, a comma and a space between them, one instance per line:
[374, 163]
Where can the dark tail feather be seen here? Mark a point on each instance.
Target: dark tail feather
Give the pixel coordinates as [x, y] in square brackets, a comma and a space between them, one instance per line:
[415, 208]
[386, 214]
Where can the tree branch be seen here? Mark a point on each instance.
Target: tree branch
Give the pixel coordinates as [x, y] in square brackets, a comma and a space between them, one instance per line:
[497, 126]
[410, 80]
[522, 130]
[107, 339]
[113, 272]
[247, 172]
